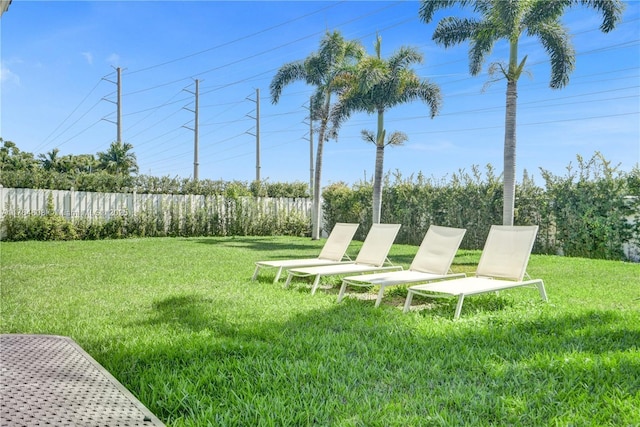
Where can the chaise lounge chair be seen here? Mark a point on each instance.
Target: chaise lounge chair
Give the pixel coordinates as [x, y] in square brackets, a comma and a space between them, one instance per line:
[432, 262]
[333, 252]
[371, 257]
[502, 265]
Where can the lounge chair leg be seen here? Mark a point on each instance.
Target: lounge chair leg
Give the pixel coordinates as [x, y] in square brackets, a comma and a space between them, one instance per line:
[407, 302]
[543, 293]
[316, 282]
[278, 273]
[343, 288]
[380, 294]
[255, 273]
[459, 307]
[286, 284]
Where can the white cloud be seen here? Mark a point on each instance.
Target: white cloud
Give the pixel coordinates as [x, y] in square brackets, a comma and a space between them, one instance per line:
[89, 57]
[7, 76]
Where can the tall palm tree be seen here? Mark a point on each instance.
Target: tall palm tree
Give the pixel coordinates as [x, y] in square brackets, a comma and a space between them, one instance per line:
[320, 69]
[510, 20]
[375, 86]
[118, 159]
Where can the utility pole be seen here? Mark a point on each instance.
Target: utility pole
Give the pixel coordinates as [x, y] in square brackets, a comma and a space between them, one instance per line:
[195, 129]
[118, 103]
[195, 135]
[257, 135]
[119, 126]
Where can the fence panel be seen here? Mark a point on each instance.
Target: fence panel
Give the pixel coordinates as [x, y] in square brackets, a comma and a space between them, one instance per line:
[170, 209]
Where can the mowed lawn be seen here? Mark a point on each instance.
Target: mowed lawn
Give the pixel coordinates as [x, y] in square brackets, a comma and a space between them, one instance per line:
[180, 323]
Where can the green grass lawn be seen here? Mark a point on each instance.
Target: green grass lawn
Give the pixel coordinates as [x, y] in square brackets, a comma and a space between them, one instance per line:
[181, 325]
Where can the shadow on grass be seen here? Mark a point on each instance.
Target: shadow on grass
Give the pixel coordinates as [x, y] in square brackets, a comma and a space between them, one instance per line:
[322, 367]
[261, 243]
[190, 313]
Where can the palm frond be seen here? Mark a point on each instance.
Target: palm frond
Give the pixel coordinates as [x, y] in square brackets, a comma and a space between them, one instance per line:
[482, 41]
[611, 12]
[287, 74]
[397, 138]
[557, 43]
[429, 7]
[368, 136]
[506, 16]
[452, 31]
[404, 57]
[544, 11]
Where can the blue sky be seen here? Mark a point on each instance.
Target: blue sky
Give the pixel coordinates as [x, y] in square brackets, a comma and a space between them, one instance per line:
[58, 64]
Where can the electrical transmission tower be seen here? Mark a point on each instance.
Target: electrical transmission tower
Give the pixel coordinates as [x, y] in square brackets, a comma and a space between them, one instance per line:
[257, 134]
[118, 103]
[195, 129]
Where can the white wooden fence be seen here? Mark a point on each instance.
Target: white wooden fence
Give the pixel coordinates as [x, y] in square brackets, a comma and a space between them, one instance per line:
[103, 206]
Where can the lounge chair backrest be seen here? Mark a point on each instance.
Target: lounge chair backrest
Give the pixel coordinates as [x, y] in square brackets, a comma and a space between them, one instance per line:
[437, 250]
[506, 252]
[338, 241]
[377, 244]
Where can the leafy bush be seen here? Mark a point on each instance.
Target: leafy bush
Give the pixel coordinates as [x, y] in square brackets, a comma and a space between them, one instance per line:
[590, 209]
[48, 226]
[344, 204]
[593, 211]
[103, 182]
[222, 216]
[467, 201]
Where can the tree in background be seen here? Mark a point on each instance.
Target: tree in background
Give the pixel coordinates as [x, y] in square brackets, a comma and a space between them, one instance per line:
[51, 160]
[81, 163]
[510, 20]
[69, 164]
[320, 69]
[12, 159]
[375, 86]
[118, 159]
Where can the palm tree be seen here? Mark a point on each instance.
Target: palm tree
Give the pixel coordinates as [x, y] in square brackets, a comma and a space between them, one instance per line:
[83, 163]
[118, 160]
[50, 161]
[509, 20]
[320, 69]
[375, 86]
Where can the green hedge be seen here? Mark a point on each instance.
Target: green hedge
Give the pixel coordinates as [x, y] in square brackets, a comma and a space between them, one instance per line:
[590, 212]
[103, 182]
[236, 217]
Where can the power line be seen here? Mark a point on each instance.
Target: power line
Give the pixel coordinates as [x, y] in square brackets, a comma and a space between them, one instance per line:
[224, 123]
[44, 142]
[264, 52]
[257, 33]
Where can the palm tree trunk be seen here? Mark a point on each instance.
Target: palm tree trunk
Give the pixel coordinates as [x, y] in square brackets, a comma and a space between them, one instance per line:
[377, 185]
[509, 173]
[510, 154]
[317, 187]
[379, 168]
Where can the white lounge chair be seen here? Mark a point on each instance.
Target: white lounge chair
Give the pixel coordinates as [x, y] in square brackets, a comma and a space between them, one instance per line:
[371, 257]
[502, 265]
[432, 262]
[333, 252]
